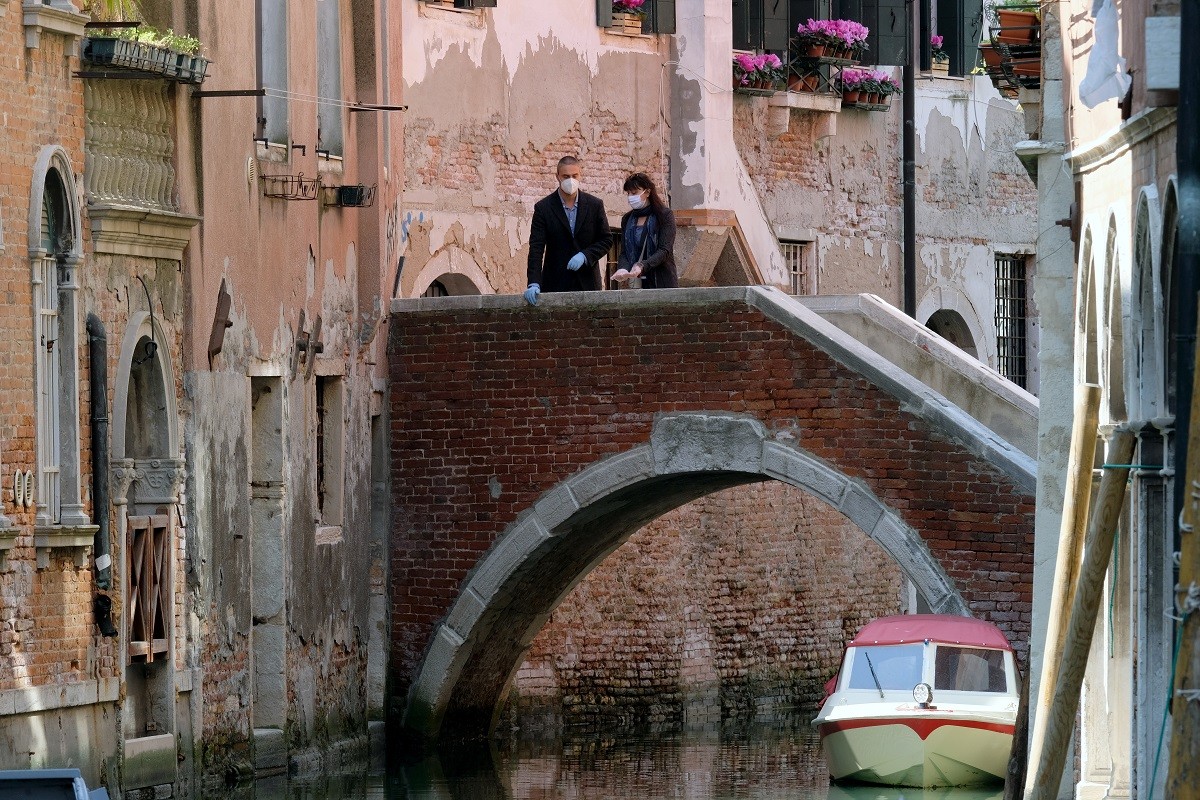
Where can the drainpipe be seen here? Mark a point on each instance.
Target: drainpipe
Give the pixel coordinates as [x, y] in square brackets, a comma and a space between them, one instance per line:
[98, 363]
[909, 110]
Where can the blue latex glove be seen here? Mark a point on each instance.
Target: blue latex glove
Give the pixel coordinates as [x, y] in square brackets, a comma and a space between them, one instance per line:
[531, 294]
[576, 261]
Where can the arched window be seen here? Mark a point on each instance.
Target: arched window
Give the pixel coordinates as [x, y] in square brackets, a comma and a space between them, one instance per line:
[54, 255]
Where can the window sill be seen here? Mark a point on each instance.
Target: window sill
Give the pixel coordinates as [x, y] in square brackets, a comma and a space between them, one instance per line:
[333, 165]
[63, 537]
[50, 698]
[131, 231]
[61, 18]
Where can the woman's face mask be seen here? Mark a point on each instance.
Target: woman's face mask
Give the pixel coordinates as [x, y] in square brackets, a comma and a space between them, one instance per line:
[636, 201]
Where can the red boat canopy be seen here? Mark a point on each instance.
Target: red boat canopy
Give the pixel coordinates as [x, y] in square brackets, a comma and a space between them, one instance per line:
[941, 628]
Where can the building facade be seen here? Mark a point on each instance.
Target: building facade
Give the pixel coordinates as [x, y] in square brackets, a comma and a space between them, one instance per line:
[1105, 160]
[193, 412]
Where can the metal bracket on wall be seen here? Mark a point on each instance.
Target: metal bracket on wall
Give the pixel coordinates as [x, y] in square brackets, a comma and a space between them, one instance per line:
[221, 321]
[307, 346]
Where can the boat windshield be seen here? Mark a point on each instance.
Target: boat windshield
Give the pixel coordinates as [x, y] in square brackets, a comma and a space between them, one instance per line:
[969, 669]
[895, 666]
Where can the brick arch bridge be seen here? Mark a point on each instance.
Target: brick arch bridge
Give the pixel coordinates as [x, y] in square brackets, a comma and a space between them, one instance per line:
[529, 443]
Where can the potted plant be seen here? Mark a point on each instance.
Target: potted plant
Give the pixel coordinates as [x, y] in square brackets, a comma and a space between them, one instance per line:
[627, 15]
[757, 74]
[839, 39]
[939, 58]
[1017, 21]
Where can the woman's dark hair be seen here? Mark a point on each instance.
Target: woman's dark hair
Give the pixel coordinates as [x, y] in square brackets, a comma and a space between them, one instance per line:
[639, 181]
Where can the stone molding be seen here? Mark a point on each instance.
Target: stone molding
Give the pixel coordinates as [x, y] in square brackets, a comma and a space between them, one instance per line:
[124, 230]
[57, 17]
[1116, 143]
[50, 698]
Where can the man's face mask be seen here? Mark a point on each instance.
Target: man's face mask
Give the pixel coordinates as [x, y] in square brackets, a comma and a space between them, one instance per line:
[569, 185]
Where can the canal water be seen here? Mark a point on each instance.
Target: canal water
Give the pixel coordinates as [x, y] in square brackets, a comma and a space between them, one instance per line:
[756, 764]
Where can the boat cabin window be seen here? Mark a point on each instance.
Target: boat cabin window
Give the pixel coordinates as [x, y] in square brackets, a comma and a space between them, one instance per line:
[969, 669]
[895, 666]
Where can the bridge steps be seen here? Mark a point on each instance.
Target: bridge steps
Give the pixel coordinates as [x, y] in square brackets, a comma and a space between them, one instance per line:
[1007, 409]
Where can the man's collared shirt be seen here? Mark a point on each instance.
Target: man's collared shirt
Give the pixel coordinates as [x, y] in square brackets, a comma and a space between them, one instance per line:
[570, 212]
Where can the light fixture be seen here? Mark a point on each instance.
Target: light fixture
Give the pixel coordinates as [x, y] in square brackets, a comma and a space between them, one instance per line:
[923, 694]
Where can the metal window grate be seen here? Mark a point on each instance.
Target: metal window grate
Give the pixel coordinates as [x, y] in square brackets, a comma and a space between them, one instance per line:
[795, 257]
[1010, 318]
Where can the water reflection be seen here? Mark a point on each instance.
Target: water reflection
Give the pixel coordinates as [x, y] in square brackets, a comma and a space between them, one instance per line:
[779, 764]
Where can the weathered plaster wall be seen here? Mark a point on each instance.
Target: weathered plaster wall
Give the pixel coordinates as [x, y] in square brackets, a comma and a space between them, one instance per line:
[495, 99]
[280, 259]
[973, 196]
[733, 606]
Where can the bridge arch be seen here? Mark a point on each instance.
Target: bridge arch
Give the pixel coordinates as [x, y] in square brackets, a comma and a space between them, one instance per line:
[575, 525]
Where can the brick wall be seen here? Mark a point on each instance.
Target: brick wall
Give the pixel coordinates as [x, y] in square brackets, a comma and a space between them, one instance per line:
[519, 399]
[733, 604]
[47, 635]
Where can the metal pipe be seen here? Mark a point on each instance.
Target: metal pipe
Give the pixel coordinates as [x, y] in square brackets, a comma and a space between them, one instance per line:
[909, 110]
[98, 381]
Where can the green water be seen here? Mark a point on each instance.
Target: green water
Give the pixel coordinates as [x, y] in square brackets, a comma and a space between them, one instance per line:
[753, 765]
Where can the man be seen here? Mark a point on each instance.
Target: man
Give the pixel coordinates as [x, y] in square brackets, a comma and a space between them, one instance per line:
[568, 237]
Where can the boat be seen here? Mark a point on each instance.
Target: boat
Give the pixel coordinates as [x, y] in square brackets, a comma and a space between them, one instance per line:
[47, 784]
[921, 700]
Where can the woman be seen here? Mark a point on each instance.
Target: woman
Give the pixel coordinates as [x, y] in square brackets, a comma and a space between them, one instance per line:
[647, 237]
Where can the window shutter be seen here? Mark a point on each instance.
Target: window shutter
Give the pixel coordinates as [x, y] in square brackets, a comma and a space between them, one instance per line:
[604, 13]
[474, 3]
[741, 24]
[961, 23]
[663, 18]
[775, 26]
[889, 24]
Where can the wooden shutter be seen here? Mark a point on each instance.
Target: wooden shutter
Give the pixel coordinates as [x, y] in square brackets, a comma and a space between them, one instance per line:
[662, 16]
[960, 22]
[149, 598]
[742, 33]
[604, 13]
[474, 3]
[891, 31]
[775, 26]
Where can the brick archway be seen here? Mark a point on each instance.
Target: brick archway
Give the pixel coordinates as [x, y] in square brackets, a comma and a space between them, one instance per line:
[528, 443]
[575, 525]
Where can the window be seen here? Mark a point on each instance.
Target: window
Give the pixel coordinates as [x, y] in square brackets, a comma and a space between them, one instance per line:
[272, 70]
[969, 669]
[329, 76]
[1011, 318]
[768, 25]
[960, 23]
[796, 256]
[329, 450]
[886, 667]
[54, 246]
[659, 15]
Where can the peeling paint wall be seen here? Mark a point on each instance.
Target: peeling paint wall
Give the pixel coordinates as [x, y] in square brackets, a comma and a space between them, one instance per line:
[282, 596]
[496, 97]
[843, 193]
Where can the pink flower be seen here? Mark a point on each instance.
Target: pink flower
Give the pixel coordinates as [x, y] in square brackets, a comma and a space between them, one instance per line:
[936, 41]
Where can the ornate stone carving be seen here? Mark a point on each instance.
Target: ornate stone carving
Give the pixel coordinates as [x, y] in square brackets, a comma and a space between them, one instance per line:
[151, 481]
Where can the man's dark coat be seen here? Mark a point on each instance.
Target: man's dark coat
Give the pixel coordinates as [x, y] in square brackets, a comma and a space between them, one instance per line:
[550, 238]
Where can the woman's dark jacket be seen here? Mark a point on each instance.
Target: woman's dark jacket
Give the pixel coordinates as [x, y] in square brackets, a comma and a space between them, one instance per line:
[658, 264]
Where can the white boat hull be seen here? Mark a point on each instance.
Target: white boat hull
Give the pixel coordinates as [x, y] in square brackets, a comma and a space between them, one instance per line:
[926, 751]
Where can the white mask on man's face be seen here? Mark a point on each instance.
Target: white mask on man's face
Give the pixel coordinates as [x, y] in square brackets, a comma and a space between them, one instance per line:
[569, 185]
[636, 201]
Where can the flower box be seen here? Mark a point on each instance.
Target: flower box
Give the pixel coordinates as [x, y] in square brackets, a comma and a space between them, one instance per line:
[626, 22]
[123, 54]
[1015, 26]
